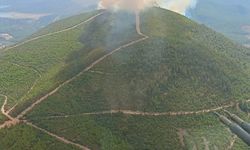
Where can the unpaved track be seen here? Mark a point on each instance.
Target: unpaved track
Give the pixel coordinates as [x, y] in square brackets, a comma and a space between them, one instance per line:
[49, 34]
[3, 107]
[140, 113]
[4, 104]
[12, 121]
[138, 27]
[62, 139]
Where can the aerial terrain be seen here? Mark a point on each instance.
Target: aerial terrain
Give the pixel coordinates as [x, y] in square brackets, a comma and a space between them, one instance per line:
[114, 80]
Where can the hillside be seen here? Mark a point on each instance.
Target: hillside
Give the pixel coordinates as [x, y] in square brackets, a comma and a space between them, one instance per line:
[96, 81]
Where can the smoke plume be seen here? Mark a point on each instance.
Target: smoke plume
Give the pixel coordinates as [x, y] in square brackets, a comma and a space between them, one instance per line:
[125, 4]
[179, 6]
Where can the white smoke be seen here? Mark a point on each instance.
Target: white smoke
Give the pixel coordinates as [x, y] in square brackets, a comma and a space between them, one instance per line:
[125, 4]
[179, 6]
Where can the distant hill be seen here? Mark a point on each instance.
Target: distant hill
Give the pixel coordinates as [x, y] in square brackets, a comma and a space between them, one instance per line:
[225, 16]
[100, 83]
[22, 28]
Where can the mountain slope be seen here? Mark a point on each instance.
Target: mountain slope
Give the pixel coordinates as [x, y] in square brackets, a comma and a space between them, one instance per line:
[105, 85]
[175, 69]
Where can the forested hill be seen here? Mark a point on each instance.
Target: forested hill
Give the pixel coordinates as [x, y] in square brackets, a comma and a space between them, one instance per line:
[101, 83]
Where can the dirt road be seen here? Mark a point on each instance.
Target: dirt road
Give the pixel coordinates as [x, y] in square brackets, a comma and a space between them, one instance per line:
[12, 121]
[140, 113]
[3, 107]
[138, 24]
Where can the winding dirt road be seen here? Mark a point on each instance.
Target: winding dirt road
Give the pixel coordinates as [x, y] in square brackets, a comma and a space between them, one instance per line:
[3, 107]
[138, 27]
[12, 121]
[5, 113]
[140, 113]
